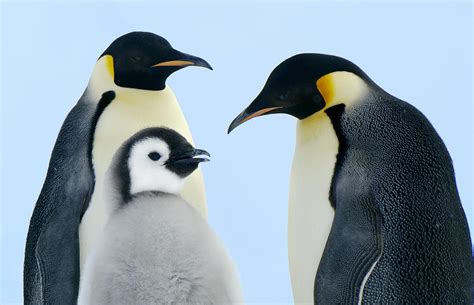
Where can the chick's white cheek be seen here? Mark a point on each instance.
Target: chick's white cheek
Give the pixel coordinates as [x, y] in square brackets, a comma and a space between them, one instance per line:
[149, 175]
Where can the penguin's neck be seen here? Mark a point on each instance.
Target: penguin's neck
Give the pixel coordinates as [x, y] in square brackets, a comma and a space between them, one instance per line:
[131, 111]
[311, 214]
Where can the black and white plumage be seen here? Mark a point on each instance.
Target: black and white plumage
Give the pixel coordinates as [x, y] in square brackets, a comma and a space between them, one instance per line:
[374, 212]
[127, 92]
[156, 248]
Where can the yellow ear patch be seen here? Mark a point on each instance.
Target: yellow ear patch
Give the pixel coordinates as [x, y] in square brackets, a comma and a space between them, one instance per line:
[326, 87]
[342, 87]
[109, 64]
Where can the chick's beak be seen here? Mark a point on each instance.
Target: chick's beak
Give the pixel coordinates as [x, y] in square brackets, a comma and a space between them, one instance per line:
[194, 156]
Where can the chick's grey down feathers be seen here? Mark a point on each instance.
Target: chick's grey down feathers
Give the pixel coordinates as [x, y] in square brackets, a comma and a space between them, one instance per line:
[158, 250]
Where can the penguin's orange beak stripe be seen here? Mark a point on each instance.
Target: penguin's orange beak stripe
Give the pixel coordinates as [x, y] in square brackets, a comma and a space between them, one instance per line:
[174, 63]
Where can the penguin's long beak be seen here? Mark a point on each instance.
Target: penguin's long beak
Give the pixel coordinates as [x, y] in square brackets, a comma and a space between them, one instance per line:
[246, 115]
[194, 156]
[180, 59]
[260, 106]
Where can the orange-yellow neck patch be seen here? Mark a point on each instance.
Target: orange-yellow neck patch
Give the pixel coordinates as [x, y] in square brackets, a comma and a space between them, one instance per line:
[326, 86]
[342, 87]
[109, 64]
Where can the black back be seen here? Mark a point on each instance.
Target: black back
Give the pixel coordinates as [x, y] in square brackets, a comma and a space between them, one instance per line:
[51, 269]
[396, 200]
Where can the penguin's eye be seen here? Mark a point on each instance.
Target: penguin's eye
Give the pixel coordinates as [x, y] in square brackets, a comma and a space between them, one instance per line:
[136, 58]
[154, 156]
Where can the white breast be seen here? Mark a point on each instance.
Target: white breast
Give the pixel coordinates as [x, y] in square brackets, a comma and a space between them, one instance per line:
[131, 111]
[310, 214]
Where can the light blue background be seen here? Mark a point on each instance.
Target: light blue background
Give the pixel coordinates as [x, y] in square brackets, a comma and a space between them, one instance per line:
[419, 52]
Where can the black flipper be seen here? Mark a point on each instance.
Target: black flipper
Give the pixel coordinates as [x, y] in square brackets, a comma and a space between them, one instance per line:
[472, 275]
[353, 246]
[355, 241]
[51, 269]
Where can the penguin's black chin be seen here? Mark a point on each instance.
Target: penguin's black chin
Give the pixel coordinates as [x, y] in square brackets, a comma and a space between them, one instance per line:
[144, 80]
[303, 110]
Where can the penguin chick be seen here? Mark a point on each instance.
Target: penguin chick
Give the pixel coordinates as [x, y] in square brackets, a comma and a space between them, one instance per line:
[156, 248]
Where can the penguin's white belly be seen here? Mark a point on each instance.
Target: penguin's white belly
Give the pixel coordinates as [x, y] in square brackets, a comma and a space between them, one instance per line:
[129, 112]
[310, 214]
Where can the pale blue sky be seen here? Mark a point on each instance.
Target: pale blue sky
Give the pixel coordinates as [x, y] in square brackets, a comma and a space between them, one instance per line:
[421, 53]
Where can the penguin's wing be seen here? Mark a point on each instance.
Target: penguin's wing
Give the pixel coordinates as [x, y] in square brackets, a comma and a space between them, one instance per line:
[51, 269]
[472, 275]
[353, 246]
[355, 240]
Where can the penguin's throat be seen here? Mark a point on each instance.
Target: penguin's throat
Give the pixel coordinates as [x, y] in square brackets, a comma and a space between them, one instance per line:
[311, 128]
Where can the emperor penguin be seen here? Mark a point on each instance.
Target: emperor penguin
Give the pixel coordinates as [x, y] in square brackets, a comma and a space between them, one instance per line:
[374, 212]
[127, 92]
[156, 248]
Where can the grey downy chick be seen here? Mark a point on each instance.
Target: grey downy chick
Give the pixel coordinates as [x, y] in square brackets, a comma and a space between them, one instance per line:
[156, 248]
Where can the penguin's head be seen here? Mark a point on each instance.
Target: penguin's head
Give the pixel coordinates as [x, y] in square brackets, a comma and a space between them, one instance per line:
[143, 60]
[305, 84]
[155, 159]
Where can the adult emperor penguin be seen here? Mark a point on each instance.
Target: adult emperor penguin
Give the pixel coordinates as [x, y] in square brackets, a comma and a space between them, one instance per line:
[127, 92]
[155, 248]
[374, 212]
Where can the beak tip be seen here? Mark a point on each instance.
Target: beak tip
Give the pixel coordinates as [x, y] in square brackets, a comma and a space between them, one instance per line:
[201, 152]
[205, 64]
[233, 125]
[199, 62]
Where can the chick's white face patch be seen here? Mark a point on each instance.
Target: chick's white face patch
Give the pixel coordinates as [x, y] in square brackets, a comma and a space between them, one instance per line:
[147, 168]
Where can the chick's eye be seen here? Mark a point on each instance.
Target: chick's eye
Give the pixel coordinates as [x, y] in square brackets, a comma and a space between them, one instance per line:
[154, 156]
